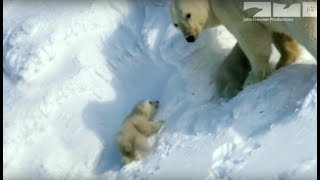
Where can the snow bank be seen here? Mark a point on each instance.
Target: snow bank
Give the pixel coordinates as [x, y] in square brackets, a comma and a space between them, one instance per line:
[72, 72]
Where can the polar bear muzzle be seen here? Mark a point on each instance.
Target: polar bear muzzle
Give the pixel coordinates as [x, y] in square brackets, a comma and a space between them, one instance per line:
[154, 103]
[190, 38]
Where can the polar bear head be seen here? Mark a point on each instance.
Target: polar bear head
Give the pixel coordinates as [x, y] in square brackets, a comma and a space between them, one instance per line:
[147, 108]
[191, 17]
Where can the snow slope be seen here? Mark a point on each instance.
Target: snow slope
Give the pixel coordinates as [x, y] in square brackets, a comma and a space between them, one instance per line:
[73, 70]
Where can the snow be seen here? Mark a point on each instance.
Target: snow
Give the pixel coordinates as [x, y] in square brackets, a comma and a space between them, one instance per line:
[73, 70]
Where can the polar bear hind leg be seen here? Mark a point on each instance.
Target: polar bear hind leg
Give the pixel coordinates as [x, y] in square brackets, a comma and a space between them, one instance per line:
[287, 47]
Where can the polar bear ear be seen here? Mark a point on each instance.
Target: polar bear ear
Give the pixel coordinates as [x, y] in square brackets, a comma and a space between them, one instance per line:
[141, 109]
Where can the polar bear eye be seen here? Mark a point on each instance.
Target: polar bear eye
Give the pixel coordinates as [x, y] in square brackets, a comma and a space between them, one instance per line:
[150, 102]
[188, 15]
[175, 25]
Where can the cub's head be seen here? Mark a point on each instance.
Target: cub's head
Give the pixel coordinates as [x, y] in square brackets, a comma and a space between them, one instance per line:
[147, 108]
[190, 16]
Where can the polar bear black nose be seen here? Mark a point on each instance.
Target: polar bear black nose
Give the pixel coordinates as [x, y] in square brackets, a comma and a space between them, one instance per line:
[156, 104]
[190, 38]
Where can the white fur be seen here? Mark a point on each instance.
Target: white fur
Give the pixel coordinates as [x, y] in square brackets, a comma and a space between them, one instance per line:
[138, 126]
[254, 38]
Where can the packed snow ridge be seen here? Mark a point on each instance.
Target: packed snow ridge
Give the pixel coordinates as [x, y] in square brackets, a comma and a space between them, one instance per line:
[73, 70]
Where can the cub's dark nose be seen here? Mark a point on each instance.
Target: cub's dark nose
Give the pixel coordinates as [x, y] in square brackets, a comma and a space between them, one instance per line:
[190, 38]
[156, 104]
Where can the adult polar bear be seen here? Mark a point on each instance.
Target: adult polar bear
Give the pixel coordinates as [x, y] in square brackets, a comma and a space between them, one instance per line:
[255, 38]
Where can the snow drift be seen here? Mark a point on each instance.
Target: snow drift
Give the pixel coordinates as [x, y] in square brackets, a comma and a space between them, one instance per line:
[73, 70]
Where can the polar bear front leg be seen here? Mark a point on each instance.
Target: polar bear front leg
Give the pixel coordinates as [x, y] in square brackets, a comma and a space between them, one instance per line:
[255, 40]
[148, 128]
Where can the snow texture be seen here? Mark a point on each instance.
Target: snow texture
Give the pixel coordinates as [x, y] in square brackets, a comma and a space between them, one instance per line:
[73, 70]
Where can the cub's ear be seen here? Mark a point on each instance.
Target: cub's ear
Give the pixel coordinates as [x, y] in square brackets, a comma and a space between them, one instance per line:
[140, 110]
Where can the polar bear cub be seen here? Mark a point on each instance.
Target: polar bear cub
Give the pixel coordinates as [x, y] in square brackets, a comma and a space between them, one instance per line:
[133, 135]
[254, 37]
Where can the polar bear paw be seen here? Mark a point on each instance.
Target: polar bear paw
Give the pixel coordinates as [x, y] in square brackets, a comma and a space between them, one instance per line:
[255, 77]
